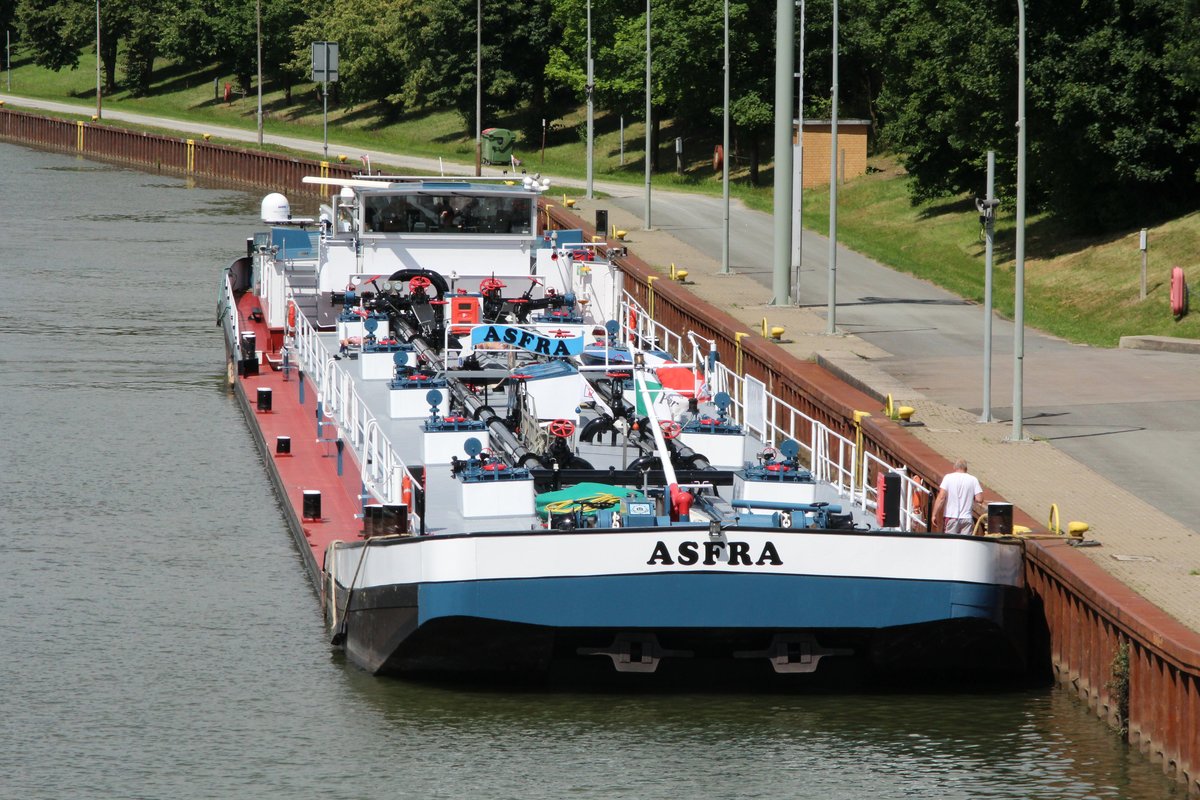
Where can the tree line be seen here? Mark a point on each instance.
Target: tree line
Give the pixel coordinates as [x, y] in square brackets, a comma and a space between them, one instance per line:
[1113, 118]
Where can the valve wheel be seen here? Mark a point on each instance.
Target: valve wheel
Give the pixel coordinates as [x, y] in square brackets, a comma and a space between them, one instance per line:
[488, 285]
[769, 454]
[562, 428]
[419, 283]
[670, 428]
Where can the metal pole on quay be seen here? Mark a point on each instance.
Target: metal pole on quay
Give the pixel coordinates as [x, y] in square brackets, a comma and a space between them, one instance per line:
[785, 68]
[1019, 293]
[649, 149]
[98, 94]
[258, 29]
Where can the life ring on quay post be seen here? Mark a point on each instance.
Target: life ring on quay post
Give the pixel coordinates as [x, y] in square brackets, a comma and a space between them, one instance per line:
[718, 158]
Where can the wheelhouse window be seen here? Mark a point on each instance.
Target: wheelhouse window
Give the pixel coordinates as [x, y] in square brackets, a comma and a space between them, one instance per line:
[447, 213]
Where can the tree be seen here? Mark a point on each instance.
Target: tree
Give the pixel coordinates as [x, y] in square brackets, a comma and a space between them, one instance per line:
[1119, 114]
[1111, 104]
[145, 23]
[947, 97]
[54, 31]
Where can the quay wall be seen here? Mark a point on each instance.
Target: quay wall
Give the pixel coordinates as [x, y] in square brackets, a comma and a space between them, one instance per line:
[1135, 666]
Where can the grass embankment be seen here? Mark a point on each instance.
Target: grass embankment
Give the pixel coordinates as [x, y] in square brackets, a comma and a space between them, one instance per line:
[1082, 289]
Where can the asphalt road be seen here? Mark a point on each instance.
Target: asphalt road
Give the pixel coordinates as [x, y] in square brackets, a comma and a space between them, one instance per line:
[1132, 415]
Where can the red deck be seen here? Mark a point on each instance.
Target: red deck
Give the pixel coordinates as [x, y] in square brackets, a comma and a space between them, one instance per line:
[312, 464]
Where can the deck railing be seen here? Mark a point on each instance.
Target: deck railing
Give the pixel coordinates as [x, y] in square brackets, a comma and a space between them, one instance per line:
[843, 463]
[382, 469]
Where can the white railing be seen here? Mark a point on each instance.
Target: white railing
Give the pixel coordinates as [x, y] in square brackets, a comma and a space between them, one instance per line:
[831, 457]
[229, 318]
[382, 470]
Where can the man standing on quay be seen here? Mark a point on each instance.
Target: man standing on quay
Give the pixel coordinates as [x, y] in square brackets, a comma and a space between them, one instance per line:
[956, 495]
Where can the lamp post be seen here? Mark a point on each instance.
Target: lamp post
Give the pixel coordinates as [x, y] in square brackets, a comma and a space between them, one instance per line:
[785, 34]
[98, 109]
[478, 88]
[1019, 294]
[831, 328]
[798, 189]
[725, 157]
[987, 214]
[258, 28]
[590, 108]
[649, 149]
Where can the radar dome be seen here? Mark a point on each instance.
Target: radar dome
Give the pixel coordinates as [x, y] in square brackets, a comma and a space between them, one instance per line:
[276, 208]
[346, 193]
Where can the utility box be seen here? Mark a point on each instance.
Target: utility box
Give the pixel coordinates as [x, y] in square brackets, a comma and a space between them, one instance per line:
[498, 145]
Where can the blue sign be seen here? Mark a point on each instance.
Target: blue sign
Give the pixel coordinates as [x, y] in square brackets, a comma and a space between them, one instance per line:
[527, 340]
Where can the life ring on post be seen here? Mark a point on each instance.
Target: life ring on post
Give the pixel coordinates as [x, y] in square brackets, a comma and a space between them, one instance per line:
[915, 499]
[718, 158]
[406, 490]
[291, 315]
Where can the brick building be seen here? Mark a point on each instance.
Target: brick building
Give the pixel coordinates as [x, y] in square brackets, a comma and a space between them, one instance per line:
[852, 142]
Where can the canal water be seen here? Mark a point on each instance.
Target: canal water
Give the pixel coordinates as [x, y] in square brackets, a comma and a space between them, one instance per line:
[161, 638]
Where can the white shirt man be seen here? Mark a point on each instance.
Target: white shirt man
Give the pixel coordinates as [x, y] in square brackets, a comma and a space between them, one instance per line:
[958, 492]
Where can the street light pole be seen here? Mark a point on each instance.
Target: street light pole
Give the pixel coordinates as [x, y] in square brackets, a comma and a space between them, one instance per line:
[725, 157]
[478, 87]
[833, 162]
[798, 190]
[987, 210]
[649, 148]
[98, 94]
[258, 27]
[785, 70]
[590, 109]
[1019, 294]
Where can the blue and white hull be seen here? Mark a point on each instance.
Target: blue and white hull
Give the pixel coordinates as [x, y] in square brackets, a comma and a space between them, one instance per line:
[675, 600]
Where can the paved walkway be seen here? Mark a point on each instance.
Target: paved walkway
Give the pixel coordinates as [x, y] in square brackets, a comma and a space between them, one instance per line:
[1151, 552]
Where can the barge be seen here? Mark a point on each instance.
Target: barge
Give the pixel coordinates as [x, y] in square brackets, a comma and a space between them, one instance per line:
[497, 464]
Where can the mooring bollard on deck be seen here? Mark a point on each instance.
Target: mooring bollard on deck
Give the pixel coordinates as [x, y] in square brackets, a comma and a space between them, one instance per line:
[264, 399]
[312, 504]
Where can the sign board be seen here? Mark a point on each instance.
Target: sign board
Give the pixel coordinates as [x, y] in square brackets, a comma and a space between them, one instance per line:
[325, 62]
[561, 344]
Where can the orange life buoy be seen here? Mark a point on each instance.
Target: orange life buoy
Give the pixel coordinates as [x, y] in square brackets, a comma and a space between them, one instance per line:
[915, 500]
[291, 317]
[406, 490]
[632, 323]
[718, 158]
